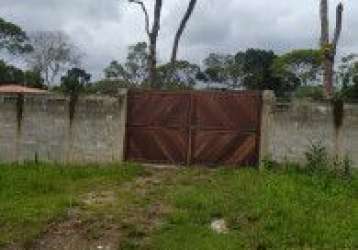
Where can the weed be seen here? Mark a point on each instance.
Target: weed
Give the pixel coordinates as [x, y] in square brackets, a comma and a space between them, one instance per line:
[31, 195]
[343, 168]
[317, 158]
[277, 209]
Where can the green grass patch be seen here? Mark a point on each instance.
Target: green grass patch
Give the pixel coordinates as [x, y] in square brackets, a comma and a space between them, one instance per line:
[33, 195]
[173, 209]
[267, 209]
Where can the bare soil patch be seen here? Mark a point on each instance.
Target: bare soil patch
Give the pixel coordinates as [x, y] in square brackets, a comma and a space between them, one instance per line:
[116, 218]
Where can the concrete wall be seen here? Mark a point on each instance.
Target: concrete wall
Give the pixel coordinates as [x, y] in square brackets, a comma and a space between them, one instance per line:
[39, 127]
[295, 126]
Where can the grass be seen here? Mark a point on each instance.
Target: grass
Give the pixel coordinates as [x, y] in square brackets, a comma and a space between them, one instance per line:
[263, 210]
[33, 195]
[173, 209]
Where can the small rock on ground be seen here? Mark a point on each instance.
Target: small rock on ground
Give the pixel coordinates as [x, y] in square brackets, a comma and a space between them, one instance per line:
[219, 226]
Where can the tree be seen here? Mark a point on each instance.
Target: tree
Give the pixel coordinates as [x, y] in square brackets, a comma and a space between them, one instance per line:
[351, 91]
[257, 69]
[75, 81]
[134, 71]
[184, 75]
[53, 53]
[223, 69]
[152, 34]
[106, 87]
[304, 64]
[136, 64]
[33, 78]
[11, 74]
[72, 84]
[181, 29]
[215, 67]
[252, 69]
[257, 72]
[13, 39]
[347, 70]
[329, 49]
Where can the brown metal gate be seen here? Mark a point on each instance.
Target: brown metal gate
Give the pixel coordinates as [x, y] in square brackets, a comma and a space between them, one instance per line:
[193, 127]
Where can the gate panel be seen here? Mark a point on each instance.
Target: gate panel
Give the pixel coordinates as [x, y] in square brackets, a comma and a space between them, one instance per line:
[189, 127]
[157, 127]
[157, 109]
[225, 128]
[224, 148]
[226, 110]
[157, 145]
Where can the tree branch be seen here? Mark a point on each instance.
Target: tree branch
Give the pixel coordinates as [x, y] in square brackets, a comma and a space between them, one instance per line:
[338, 29]
[180, 31]
[146, 16]
[157, 14]
[324, 23]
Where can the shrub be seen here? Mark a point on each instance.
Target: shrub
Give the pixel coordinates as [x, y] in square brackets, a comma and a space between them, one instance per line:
[317, 158]
[313, 92]
[343, 167]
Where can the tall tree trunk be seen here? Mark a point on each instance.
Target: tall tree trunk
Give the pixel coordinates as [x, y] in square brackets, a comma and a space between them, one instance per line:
[181, 29]
[152, 59]
[328, 72]
[152, 63]
[325, 46]
[329, 49]
[152, 37]
[324, 23]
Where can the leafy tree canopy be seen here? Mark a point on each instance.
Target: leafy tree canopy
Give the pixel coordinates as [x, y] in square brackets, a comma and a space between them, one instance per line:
[12, 75]
[184, 75]
[75, 81]
[347, 70]
[53, 53]
[13, 39]
[257, 72]
[135, 69]
[106, 87]
[305, 64]
[348, 73]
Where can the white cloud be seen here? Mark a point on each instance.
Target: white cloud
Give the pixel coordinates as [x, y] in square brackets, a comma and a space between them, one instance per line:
[104, 29]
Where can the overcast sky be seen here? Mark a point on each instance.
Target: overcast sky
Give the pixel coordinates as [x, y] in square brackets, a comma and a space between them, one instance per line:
[105, 28]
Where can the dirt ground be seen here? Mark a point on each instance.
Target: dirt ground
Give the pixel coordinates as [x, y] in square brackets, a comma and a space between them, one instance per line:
[117, 218]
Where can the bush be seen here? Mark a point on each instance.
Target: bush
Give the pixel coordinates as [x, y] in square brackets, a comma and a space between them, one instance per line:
[317, 158]
[314, 92]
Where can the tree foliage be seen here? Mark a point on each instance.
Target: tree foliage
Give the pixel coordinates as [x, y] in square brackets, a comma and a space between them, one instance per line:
[348, 76]
[135, 69]
[182, 76]
[347, 70]
[106, 87]
[75, 81]
[258, 72]
[223, 69]
[53, 53]
[152, 33]
[12, 75]
[252, 69]
[305, 64]
[13, 39]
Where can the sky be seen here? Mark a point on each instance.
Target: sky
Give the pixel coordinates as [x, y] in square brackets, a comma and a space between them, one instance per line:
[104, 29]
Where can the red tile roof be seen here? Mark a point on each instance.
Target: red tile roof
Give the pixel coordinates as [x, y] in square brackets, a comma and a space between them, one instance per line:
[18, 89]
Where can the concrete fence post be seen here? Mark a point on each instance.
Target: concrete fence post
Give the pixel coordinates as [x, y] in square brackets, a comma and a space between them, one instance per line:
[123, 98]
[268, 101]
